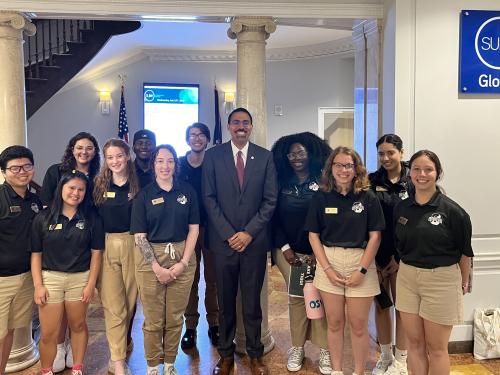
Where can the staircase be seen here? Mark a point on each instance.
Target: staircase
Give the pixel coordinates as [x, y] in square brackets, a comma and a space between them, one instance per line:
[59, 50]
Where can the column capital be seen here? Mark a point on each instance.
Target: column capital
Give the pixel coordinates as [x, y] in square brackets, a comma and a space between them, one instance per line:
[259, 24]
[17, 21]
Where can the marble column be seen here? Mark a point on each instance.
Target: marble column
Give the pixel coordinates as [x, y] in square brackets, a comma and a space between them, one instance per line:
[251, 34]
[367, 92]
[13, 131]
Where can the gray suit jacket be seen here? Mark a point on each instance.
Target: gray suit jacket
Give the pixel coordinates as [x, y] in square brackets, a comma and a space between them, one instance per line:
[230, 210]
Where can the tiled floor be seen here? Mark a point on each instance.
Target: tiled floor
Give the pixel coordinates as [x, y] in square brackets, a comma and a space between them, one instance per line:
[201, 361]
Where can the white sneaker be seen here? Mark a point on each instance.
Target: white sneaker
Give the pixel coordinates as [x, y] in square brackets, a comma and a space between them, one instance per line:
[170, 371]
[295, 358]
[337, 372]
[153, 371]
[69, 356]
[60, 360]
[76, 372]
[382, 365]
[397, 368]
[325, 363]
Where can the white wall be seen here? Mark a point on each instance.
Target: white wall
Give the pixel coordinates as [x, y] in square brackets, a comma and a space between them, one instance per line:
[463, 130]
[301, 86]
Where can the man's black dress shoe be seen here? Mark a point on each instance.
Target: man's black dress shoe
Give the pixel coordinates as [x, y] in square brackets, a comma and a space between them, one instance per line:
[213, 334]
[189, 339]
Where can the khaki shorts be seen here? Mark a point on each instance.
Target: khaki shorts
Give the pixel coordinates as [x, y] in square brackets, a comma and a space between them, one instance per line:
[433, 294]
[345, 261]
[65, 286]
[16, 302]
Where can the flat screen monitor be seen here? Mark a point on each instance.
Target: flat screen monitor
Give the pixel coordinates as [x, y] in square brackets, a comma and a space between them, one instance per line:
[168, 110]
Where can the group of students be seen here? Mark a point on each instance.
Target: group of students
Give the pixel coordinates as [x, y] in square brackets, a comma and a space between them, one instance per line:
[359, 232]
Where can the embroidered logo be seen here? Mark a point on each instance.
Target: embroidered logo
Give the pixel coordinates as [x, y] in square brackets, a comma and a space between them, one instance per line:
[313, 186]
[435, 219]
[403, 194]
[80, 224]
[358, 207]
[182, 199]
[34, 208]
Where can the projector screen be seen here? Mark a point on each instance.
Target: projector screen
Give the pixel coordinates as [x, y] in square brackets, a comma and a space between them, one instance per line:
[168, 110]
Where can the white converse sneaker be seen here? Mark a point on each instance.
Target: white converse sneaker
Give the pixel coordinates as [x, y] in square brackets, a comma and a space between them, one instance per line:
[153, 370]
[397, 368]
[382, 365]
[170, 371]
[69, 356]
[60, 360]
[325, 363]
[295, 358]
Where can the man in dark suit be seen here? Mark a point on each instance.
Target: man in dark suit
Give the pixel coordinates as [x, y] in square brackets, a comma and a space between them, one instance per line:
[239, 193]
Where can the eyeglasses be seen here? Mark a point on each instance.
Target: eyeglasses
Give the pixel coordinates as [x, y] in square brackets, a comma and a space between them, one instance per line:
[17, 168]
[339, 166]
[88, 149]
[297, 155]
[245, 123]
[199, 136]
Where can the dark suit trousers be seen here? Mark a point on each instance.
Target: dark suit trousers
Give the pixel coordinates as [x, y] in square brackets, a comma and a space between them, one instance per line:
[248, 272]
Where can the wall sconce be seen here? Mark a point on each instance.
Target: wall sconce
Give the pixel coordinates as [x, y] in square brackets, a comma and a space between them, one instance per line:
[229, 101]
[105, 101]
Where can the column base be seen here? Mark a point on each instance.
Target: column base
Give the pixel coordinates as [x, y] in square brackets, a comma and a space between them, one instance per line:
[24, 351]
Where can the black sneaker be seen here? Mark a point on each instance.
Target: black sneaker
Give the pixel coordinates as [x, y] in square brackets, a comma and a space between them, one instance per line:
[213, 334]
[189, 339]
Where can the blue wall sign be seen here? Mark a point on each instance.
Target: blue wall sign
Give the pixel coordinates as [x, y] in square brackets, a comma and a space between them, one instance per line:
[479, 52]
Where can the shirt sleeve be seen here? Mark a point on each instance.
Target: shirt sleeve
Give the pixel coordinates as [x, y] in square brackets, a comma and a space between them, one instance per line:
[462, 232]
[138, 222]
[376, 221]
[37, 234]
[97, 240]
[314, 220]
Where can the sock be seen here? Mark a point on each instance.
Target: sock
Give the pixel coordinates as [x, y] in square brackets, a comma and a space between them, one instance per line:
[77, 366]
[386, 350]
[168, 365]
[47, 370]
[401, 355]
[61, 346]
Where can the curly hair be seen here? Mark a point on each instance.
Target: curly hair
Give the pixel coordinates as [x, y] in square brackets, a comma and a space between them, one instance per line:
[360, 181]
[68, 162]
[317, 150]
[104, 178]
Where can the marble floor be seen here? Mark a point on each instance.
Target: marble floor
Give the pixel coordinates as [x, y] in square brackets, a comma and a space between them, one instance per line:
[201, 360]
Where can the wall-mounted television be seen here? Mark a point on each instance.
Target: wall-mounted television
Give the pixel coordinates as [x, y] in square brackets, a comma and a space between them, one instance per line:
[168, 110]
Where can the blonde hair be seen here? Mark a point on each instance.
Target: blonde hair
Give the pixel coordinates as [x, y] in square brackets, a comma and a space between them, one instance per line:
[104, 178]
[360, 181]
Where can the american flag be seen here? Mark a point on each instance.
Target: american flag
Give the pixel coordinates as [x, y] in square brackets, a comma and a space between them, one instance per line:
[217, 127]
[122, 121]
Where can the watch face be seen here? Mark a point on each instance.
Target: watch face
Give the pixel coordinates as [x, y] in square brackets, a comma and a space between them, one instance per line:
[363, 270]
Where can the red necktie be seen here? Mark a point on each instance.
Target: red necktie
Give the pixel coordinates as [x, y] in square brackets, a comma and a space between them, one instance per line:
[240, 167]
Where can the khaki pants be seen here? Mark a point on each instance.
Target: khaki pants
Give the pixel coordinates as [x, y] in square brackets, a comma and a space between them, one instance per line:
[163, 305]
[211, 305]
[118, 290]
[301, 327]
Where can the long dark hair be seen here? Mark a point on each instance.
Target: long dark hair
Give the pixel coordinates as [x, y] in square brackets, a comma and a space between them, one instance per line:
[68, 162]
[317, 151]
[57, 204]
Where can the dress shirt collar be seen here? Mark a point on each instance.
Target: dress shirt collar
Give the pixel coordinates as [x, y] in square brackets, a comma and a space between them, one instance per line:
[244, 151]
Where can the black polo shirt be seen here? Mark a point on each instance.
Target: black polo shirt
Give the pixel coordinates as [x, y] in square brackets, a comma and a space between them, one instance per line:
[16, 217]
[389, 194]
[165, 215]
[344, 220]
[116, 209]
[432, 235]
[192, 175]
[66, 244]
[145, 177]
[291, 212]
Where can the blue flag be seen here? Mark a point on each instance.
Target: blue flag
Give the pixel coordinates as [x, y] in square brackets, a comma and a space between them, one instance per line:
[217, 127]
[122, 120]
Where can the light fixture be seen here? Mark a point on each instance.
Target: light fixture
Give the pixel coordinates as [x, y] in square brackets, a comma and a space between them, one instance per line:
[105, 101]
[228, 101]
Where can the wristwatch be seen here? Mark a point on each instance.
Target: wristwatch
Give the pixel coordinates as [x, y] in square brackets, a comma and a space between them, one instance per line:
[363, 270]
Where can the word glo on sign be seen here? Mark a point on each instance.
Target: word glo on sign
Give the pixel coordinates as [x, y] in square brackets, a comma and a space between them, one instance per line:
[479, 52]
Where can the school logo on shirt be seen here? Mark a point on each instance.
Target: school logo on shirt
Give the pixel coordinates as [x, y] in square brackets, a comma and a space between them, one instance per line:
[435, 219]
[358, 207]
[403, 194]
[313, 186]
[182, 199]
[80, 224]
[34, 208]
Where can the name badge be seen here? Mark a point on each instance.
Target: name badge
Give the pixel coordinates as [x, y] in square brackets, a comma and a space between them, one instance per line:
[331, 210]
[157, 201]
[110, 194]
[14, 209]
[402, 220]
[55, 226]
[380, 188]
